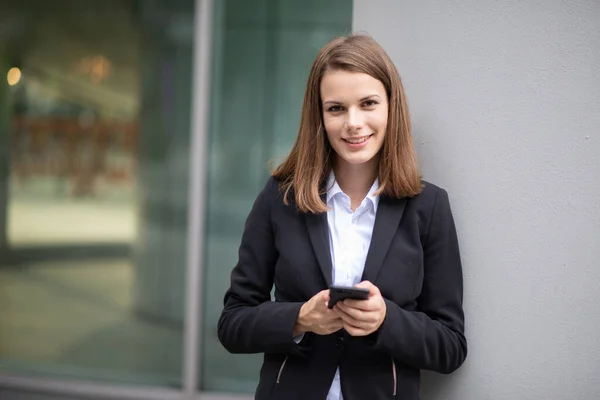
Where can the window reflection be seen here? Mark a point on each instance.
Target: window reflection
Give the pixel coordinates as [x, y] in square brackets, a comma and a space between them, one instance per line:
[93, 187]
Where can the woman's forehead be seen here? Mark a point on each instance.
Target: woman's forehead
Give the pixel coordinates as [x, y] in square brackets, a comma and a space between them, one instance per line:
[339, 85]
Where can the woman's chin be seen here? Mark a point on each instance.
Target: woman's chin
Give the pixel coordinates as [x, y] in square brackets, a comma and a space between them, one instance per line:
[357, 159]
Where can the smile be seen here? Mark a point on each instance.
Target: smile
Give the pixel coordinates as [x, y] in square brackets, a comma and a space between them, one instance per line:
[357, 140]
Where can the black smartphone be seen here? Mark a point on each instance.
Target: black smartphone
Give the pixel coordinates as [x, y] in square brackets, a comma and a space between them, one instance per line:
[339, 293]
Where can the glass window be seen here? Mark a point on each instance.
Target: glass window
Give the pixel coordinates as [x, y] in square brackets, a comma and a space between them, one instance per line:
[94, 166]
[262, 54]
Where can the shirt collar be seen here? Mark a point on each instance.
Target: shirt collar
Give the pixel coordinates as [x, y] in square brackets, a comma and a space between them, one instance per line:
[333, 189]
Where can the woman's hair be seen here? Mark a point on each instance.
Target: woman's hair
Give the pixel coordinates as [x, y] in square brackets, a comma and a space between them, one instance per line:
[304, 173]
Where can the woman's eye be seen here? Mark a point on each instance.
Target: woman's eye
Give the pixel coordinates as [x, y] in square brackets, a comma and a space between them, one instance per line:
[369, 103]
[334, 109]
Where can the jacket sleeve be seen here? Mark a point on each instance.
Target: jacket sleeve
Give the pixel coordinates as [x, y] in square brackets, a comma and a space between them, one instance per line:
[250, 322]
[432, 337]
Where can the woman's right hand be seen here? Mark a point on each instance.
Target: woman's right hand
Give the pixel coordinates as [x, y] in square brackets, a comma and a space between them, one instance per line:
[315, 317]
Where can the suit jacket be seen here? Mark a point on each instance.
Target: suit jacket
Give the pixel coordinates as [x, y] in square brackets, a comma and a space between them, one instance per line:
[413, 259]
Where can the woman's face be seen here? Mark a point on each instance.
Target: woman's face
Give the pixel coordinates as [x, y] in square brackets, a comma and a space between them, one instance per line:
[355, 113]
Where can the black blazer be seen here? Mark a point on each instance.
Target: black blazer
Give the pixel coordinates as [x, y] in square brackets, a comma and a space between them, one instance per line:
[414, 261]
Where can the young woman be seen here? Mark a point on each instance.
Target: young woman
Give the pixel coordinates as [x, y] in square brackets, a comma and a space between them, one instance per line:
[348, 208]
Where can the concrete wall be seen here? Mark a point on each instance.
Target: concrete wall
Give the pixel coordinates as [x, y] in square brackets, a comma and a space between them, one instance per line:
[505, 99]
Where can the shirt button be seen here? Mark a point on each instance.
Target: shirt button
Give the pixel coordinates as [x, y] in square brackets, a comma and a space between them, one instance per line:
[339, 342]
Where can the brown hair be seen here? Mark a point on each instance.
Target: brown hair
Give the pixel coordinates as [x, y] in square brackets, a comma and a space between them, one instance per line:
[305, 170]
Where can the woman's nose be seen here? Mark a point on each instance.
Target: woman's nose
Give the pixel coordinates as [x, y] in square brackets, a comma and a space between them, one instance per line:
[355, 120]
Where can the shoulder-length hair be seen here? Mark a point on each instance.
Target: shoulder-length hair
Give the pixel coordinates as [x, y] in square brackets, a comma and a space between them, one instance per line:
[304, 173]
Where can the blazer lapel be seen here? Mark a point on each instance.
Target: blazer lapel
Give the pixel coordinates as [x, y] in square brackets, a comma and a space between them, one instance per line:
[389, 213]
[318, 232]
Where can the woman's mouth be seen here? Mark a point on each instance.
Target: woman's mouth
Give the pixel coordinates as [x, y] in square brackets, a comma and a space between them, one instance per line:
[357, 142]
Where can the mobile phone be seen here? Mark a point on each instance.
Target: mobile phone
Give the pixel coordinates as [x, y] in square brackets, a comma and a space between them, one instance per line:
[339, 293]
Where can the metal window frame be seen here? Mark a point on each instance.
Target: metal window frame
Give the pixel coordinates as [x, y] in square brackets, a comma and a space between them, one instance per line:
[196, 201]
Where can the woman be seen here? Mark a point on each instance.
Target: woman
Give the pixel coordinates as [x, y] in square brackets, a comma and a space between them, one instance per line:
[348, 207]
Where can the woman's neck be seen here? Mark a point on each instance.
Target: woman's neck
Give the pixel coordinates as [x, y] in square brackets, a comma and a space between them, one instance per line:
[355, 180]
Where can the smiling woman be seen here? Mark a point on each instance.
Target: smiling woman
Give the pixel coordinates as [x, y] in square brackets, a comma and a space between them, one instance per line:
[348, 208]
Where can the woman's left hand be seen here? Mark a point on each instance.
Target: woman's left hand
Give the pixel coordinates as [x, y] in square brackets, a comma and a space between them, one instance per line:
[362, 317]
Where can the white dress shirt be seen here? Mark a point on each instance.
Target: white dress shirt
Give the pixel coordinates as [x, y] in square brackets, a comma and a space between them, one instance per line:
[349, 240]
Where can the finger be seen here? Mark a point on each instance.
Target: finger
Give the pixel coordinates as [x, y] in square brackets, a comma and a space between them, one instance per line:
[373, 290]
[373, 304]
[353, 321]
[363, 320]
[358, 308]
[324, 294]
[343, 309]
[347, 318]
[322, 298]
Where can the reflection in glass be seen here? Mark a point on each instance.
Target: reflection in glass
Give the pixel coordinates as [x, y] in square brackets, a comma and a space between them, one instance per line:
[94, 138]
[262, 52]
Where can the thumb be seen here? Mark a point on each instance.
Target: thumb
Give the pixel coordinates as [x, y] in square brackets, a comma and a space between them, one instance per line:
[324, 295]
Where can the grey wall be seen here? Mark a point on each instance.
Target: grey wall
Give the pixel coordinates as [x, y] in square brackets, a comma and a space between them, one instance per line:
[505, 99]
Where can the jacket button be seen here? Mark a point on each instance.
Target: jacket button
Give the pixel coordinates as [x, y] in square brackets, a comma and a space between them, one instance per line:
[339, 341]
